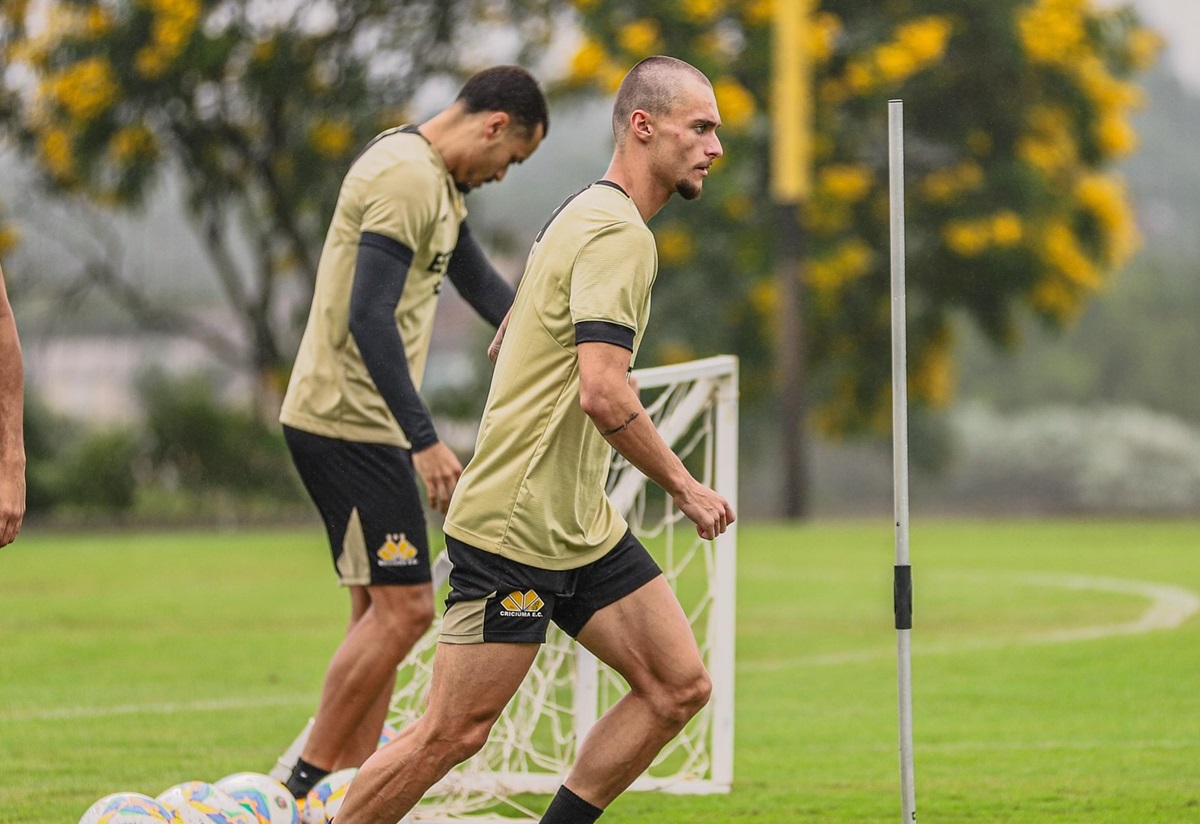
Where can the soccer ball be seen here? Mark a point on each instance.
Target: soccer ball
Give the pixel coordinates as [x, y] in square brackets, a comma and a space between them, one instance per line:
[388, 734]
[270, 801]
[128, 808]
[215, 805]
[325, 799]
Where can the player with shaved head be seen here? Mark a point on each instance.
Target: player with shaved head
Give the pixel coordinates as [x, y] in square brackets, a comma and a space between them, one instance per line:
[532, 535]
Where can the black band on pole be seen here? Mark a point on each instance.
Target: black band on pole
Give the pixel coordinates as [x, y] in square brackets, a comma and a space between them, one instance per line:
[902, 593]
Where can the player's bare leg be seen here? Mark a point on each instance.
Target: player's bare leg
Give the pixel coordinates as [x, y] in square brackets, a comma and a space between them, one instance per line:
[647, 639]
[361, 674]
[471, 686]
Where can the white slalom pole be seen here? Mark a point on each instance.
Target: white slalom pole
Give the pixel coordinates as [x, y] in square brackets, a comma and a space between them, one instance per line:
[902, 584]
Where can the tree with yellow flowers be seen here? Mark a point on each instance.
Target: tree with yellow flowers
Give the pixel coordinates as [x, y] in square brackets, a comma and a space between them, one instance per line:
[259, 106]
[1015, 113]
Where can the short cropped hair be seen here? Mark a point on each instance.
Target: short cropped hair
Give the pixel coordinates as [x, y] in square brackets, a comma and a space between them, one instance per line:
[508, 89]
[650, 86]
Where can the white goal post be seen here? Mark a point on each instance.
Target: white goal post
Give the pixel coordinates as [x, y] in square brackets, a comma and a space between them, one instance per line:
[531, 748]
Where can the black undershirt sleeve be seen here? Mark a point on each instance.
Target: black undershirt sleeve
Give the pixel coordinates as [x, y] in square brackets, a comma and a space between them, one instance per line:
[477, 280]
[603, 331]
[379, 277]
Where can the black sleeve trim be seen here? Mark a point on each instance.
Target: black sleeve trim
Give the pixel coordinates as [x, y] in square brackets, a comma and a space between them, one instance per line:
[477, 280]
[379, 277]
[603, 331]
[387, 245]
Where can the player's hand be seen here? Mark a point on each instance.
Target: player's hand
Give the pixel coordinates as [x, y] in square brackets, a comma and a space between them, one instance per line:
[12, 501]
[709, 511]
[439, 469]
[494, 347]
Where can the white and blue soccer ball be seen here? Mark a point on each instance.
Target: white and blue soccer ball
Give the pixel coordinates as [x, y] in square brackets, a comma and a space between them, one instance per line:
[269, 800]
[212, 803]
[325, 799]
[128, 808]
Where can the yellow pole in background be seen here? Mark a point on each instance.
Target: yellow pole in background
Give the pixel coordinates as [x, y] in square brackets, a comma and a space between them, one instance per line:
[791, 138]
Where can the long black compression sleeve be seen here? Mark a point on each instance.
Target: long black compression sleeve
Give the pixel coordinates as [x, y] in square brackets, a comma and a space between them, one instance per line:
[379, 279]
[477, 280]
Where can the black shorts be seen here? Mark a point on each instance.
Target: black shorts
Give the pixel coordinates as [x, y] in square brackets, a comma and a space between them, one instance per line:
[493, 599]
[368, 497]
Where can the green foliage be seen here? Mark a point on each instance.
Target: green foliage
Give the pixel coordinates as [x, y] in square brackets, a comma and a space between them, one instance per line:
[200, 445]
[99, 472]
[1014, 111]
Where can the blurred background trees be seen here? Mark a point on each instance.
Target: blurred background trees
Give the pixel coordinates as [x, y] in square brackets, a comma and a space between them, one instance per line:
[1018, 115]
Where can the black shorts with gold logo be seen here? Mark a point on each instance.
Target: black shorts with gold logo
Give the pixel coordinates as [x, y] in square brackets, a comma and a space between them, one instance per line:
[493, 599]
[368, 498]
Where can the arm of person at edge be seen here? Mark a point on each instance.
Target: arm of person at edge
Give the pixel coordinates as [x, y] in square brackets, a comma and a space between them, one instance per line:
[12, 443]
[614, 407]
[379, 277]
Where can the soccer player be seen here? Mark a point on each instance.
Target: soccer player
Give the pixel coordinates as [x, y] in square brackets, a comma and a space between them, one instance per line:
[355, 425]
[531, 533]
[12, 411]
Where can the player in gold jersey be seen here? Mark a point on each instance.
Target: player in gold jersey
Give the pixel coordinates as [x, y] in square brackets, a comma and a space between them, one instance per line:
[354, 421]
[531, 533]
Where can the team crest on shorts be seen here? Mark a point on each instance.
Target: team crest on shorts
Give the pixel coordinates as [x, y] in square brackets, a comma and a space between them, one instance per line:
[397, 551]
[519, 604]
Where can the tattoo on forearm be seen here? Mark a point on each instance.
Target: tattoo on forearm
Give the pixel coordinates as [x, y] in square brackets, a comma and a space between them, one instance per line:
[617, 429]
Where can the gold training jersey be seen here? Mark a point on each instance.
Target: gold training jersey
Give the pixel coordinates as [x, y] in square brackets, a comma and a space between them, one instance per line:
[534, 491]
[398, 187]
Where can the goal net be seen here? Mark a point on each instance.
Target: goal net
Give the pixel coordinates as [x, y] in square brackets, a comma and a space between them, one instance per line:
[531, 748]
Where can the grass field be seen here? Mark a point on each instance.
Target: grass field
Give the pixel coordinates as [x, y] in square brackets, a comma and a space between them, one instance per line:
[1056, 670]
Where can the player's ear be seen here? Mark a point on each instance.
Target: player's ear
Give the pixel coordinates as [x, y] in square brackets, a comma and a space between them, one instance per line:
[496, 123]
[640, 125]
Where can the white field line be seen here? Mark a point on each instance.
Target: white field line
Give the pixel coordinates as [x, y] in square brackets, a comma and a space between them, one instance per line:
[178, 708]
[1169, 607]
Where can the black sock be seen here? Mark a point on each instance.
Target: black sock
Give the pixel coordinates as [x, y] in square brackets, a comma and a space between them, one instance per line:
[304, 777]
[568, 808]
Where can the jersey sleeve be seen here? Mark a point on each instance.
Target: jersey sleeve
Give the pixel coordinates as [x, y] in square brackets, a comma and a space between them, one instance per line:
[612, 276]
[402, 203]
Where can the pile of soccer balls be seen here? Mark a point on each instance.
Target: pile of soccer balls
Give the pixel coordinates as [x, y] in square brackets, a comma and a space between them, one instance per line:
[241, 798]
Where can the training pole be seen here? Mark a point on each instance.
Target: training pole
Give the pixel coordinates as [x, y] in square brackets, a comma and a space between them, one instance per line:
[902, 582]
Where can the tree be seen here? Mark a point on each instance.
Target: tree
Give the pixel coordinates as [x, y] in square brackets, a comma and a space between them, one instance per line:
[259, 106]
[1015, 111]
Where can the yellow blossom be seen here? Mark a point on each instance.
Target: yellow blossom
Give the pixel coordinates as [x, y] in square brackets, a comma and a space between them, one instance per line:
[640, 37]
[1055, 298]
[1062, 252]
[585, 5]
[1103, 197]
[849, 261]
[1006, 228]
[738, 207]
[10, 237]
[1053, 31]
[924, 38]
[588, 62]
[86, 89]
[734, 102]
[859, 78]
[933, 377]
[1114, 136]
[757, 12]
[331, 138]
[895, 62]
[979, 142]
[967, 238]
[823, 32]
[1144, 46]
[131, 142]
[674, 244]
[701, 11]
[675, 352]
[847, 182]
[943, 185]
[55, 146]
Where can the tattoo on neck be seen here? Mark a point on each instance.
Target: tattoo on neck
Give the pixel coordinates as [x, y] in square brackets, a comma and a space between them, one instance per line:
[617, 429]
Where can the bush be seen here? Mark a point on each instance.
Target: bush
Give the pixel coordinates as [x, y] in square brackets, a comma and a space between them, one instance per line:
[1105, 459]
[198, 444]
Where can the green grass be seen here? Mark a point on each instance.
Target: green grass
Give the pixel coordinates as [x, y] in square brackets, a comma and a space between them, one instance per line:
[134, 662]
